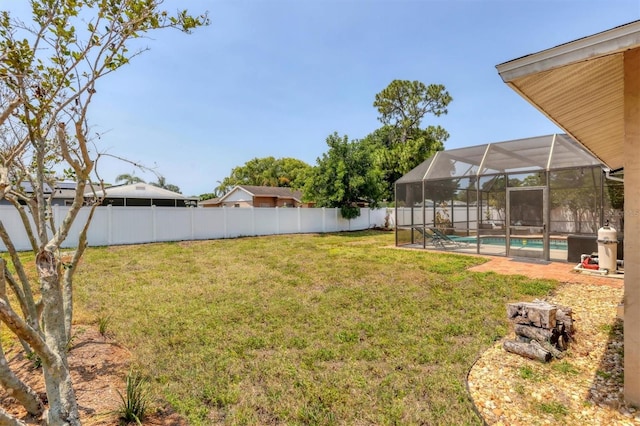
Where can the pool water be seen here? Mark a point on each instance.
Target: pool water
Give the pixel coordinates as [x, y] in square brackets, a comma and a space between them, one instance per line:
[515, 242]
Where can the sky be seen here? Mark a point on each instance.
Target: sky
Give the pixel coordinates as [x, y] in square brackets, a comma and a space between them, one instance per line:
[276, 77]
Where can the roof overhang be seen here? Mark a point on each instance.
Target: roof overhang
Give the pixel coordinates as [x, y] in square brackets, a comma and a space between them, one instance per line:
[580, 87]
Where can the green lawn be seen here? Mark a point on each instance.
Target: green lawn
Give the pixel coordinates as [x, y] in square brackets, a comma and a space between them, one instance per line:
[302, 329]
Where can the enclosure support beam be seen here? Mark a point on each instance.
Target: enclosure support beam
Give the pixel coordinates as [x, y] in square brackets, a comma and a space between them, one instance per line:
[632, 226]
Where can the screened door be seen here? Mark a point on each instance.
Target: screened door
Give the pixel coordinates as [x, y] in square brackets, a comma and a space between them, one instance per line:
[527, 230]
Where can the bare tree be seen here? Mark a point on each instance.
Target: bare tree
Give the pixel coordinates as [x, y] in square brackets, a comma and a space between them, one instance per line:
[48, 74]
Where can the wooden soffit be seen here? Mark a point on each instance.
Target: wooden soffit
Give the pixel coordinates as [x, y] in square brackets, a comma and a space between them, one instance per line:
[580, 87]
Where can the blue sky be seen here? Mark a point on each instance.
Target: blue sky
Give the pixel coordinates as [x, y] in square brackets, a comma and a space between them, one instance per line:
[276, 77]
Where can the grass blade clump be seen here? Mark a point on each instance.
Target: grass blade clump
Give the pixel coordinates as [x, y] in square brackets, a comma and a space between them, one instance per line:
[103, 324]
[134, 403]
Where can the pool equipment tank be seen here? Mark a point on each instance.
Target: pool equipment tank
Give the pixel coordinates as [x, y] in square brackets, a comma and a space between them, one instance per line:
[607, 248]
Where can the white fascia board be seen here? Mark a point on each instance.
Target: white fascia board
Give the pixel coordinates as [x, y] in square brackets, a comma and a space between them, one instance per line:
[605, 43]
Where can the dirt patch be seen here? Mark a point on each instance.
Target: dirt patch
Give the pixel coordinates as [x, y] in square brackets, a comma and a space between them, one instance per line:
[98, 369]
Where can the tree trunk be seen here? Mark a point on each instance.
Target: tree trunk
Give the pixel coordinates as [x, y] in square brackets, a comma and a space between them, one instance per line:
[67, 301]
[531, 350]
[536, 333]
[564, 316]
[540, 314]
[63, 407]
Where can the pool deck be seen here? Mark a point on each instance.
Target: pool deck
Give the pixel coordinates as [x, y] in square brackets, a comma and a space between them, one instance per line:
[556, 270]
[561, 271]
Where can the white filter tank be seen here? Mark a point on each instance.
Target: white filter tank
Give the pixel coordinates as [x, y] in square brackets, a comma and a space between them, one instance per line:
[607, 248]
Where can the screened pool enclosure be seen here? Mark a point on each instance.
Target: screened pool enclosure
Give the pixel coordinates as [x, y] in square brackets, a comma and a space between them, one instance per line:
[524, 198]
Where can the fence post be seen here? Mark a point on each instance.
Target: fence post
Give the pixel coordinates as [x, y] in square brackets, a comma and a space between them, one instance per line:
[253, 220]
[192, 218]
[277, 221]
[109, 225]
[224, 220]
[299, 220]
[324, 220]
[154, 233]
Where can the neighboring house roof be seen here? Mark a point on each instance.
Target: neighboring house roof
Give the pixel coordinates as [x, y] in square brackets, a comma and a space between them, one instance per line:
[264, 191]
[59, 187]
[137, 190]
[272, 191]
[67, 185]
[213, 201]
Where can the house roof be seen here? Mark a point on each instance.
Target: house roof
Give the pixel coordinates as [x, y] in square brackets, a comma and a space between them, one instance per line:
[209, 201]
[267, 191]
[27, 187]
[137, 190]
[580, 86]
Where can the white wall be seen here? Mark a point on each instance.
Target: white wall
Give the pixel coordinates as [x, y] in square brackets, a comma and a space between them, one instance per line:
[133, 225]
[239, 194]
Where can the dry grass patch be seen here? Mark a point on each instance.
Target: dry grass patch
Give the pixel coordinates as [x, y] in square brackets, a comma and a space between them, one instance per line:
[301, 329]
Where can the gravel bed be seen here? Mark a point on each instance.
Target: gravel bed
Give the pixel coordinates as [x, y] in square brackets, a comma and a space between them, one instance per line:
[585, 387]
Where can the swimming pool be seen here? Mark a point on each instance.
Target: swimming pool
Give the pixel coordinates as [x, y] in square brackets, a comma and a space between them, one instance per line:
[555, 244]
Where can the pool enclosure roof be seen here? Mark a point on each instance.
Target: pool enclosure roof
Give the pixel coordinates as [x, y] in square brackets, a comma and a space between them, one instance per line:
[541, 153]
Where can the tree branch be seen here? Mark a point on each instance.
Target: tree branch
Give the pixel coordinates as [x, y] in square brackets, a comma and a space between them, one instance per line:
[25, 332]
[28, 295]
[7, 419]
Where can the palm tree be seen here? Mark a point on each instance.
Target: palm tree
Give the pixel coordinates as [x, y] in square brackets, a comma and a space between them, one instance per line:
[129, 179]
[162, 183]
[221, 189]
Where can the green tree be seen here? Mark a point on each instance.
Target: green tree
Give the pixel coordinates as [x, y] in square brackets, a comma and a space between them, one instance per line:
[403, 104]
[128, 179]
[345, 176]
[49, 69]
[395, 159]
[207, 196]
[403, 143]
[267, 171]
[162, 183]
[574, 191]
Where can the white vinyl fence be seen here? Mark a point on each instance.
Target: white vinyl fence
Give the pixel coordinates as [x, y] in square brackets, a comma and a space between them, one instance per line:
[134, 225]
[459, 215]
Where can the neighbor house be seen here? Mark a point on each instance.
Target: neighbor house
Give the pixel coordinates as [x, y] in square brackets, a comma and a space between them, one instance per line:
[258, 196]
[141, 195]
[62, 193]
